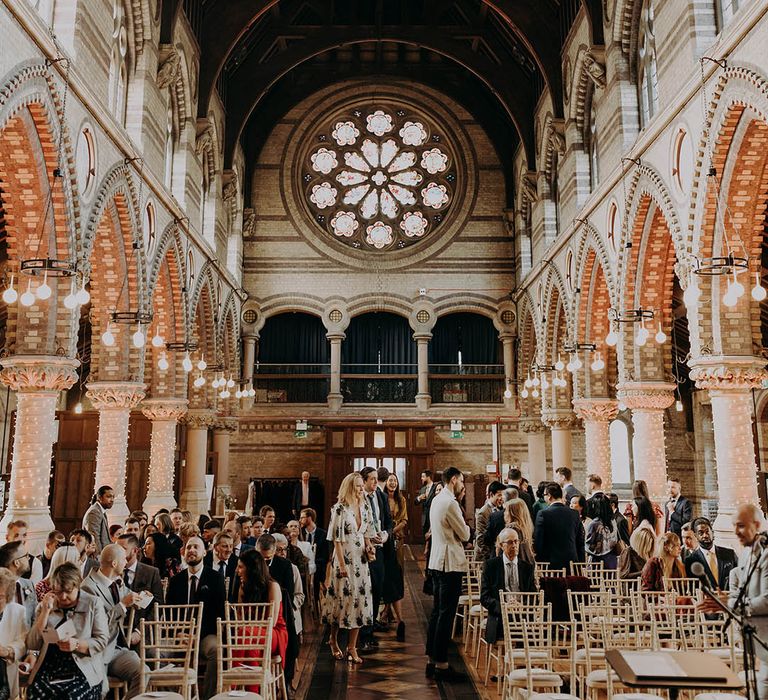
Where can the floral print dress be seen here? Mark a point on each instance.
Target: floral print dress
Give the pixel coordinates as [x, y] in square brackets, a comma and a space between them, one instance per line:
[348, 601]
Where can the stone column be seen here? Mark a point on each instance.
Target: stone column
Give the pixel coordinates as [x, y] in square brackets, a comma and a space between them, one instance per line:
[222, 431]
[508, 344]
[249, 357]
[423, 397]
[164, 414]
[194, 496]
[37, 381]
[597, 415]
[537, 449]
[560, 421]
[335, 399]
[114, 401]
[730, 381]
[648, 401]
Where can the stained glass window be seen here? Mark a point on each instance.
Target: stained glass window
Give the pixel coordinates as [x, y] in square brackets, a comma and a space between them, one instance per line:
[379, 178]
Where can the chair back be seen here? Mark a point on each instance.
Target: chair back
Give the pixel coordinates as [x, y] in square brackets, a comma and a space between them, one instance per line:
[183, 613]
[244, 653]
[248, 612]
[516, 614]
[167, 651]
[684, 587]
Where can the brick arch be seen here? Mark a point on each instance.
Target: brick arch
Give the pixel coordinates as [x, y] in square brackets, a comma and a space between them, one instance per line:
[468, 303]
[203, 331]
[527, 353]
[589, 240]
[229, 333]
[580, 88]
[315, 306]
[554, 285]
[387, 302]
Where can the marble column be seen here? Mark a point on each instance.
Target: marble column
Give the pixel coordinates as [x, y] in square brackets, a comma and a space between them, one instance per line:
[597, 415]
[560, 421]
[648, 401]
[222, 431]
[164, 414]
[537, 449]
[335, 399]
[423, 397]
[37, 381]
[730, 381]
[508, 345]
[194, 497]
[114, 401]
[249, 357]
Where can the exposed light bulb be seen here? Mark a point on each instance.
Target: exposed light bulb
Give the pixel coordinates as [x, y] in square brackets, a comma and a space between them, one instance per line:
[70, 301]
[224, 393]
[758, 291]
[691, 294]
[507, 393]
[736, 287]
[238, 394]
[10, 295]
[28, 298]
[577, 363]
[230, 382]
[83, 295]
[528, 382]
[202, 364]
[641, 337]
[251, 392]
[622, 406]
[661, 336]
[569, 367]
[679, 406]
[186, 363]
[524, 393]
[44, 291]
[597, 363]
[157, 340]
[139, 338]
[544, 383]
[535, 394]
[199, 381]
[612, 338]
[162, 363]
[78, 407]
[108, 337]
[559, 365]
[730, 300]
[536, 381]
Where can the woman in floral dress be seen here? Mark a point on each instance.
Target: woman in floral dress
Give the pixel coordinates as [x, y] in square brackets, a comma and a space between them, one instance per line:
[348, 599]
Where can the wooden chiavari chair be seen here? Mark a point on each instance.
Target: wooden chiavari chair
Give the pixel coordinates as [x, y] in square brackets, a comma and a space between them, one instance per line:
[516, 613]
[118, 687]
[243, 655]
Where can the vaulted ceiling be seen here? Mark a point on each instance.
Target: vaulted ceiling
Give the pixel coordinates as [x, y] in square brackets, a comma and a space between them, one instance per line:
[495, 57]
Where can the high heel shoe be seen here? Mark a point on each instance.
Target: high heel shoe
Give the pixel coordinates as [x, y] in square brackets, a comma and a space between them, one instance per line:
[352, 657]
[336, 653]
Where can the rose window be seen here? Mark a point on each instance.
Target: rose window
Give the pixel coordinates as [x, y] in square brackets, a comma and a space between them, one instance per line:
[379, 178]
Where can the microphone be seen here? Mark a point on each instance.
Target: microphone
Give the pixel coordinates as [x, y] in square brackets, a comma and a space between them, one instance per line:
[698, 570]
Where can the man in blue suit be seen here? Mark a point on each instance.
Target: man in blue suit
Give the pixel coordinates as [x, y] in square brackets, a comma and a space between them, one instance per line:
[558, 535]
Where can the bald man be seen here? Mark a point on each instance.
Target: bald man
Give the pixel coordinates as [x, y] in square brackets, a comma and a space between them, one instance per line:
[306, 495]
[748, 523]
[200, 584]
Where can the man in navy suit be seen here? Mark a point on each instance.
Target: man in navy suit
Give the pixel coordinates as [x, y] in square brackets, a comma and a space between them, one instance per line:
[718, 562]
[505, 573]
[679, 509]
[223, 561]
[382, 519]
[559, 535]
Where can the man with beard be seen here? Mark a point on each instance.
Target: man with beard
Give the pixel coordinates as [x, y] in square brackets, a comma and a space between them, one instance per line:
[718, 562]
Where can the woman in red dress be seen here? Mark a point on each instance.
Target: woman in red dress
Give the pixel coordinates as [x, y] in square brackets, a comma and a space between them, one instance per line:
[257, 586]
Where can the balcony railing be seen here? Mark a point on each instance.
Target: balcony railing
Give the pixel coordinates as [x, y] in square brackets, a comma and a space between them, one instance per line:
[378, 383]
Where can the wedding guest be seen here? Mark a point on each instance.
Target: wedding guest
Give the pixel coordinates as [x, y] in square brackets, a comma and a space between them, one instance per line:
[13, 632]
[158, 553]
[642, 544]
[52, 542]
[667, 565]
[67, 552]
[394, 588]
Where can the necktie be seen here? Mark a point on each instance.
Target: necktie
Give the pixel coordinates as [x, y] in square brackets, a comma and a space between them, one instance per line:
[192, 590]
[515, 584]
[127, 578]
[222, 567]
[114, 590]
[19, 597]
[712, 561]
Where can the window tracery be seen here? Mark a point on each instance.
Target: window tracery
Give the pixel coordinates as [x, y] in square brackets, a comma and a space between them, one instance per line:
[118, 67]
[379, 178]
[647, 73]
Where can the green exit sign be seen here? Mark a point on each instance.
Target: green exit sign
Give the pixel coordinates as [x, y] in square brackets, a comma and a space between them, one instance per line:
[457, 434]
[300, 434]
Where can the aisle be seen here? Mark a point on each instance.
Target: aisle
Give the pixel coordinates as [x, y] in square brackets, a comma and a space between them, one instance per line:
[397, 670]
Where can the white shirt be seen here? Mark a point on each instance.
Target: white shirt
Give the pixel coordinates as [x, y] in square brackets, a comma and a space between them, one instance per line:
[131, 571]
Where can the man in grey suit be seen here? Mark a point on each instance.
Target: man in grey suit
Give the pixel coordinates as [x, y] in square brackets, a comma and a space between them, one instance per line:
[106, 585]
[13, 556]
[484, 551]
[95, 518]
[139, 577]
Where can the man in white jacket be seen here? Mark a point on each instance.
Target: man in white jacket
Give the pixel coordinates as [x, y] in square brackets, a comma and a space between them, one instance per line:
[447, 565]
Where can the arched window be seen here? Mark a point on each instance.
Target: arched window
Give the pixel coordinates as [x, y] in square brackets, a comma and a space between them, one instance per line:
[591, 140]
[118, 66]
[621, 471]
[647, 75]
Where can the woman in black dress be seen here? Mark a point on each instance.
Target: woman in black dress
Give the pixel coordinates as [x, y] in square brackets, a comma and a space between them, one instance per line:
[160, 554]
[73, 668]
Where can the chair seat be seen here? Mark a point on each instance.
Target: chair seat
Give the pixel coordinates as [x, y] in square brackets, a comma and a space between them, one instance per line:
[718, 696]
[172, 674]
[165, 696]
[581, 654]
[243, 695]
[634, 696]
[464, 599]
[476, 610]
[548, 696]
[599, 678]
[533, 654]
[541, 677]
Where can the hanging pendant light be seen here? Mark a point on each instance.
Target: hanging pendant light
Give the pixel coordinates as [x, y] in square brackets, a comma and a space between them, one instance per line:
[44, 290]
[10, 295]
[661, 336]
[139, 339]
[28, 298]
[758, 291]
[186, 363]
[108, 337]
[162, 363]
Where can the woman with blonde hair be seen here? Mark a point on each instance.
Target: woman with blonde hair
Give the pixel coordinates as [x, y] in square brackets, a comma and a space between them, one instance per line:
[13, 631]
[667, 565]
[65, 552]
[642, 544]
[348, 600]
[516, 514]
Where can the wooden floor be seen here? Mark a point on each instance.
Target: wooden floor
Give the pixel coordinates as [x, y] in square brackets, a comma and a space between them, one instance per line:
[395, 671]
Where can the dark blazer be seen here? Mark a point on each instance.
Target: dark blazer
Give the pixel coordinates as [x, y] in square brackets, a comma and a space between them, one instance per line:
[315, 498]
[385, 519]
[493, 582]
[147, 578]
[95, 521]
[229, 571]
[569, 492]
[623, 527]
[281, 570]
[425, 506]
[682, 514]
[559, 536]
[210, 592]
[495, 525]
[321, 548]
[726, 562]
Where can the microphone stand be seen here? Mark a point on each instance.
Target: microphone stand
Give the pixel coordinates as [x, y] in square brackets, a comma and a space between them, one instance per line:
[748, 633]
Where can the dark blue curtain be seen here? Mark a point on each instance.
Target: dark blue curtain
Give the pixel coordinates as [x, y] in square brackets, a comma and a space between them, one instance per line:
[473, 334]
[293, 338]
[375, 335]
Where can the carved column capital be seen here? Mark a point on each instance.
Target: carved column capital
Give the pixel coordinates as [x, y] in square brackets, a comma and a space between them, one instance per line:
[115, 395]
[531, 425]
[559, 419]
[226, 424]
[164, 409]
[604, 410]
[199, 418]
[39, 372]
[728, 372]
[649, 396]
